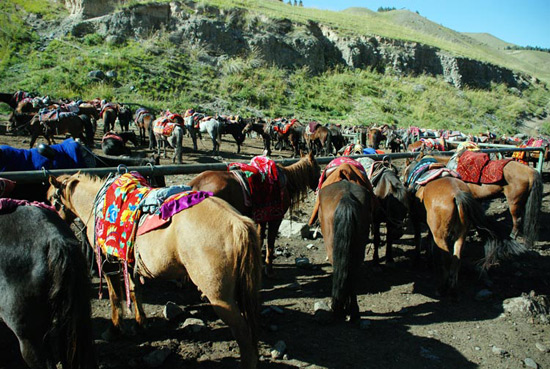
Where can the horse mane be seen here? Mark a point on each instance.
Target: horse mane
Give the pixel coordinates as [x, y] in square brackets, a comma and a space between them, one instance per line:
[298, 177]
[398, 189]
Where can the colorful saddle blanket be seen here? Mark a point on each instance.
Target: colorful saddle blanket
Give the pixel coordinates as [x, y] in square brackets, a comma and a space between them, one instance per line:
[477, 167]
[112, 136]
[6, 186]
[266, 188]
[312, 127]
[108, 106]
[139, 113]
[164, 126]
[283, 128]
[335, 164]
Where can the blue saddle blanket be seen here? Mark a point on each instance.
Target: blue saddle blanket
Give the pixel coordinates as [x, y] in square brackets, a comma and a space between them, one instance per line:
[68, 156]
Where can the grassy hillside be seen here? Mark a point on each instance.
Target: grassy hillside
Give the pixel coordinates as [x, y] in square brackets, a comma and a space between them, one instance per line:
[489, 40]
[156, 73]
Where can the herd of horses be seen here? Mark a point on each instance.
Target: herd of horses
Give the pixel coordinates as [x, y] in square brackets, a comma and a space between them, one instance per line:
[51, 319]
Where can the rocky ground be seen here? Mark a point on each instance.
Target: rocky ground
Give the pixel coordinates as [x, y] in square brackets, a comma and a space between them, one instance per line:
[403, 323]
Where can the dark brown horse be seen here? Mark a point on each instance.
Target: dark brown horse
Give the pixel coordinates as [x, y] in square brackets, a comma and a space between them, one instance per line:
[522, 187]
[65, 123]
[319, 141]
[299, 177]
[376, 135]
[262, 128]
[293, 132]
[447, 206]
[144, 120]
[393, 205]
[109, 113]
[344, 214]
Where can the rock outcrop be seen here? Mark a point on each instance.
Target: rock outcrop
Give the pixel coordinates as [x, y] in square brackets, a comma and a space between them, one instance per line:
[282, 43]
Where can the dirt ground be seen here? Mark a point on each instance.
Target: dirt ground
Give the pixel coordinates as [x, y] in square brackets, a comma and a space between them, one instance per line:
[403, 324]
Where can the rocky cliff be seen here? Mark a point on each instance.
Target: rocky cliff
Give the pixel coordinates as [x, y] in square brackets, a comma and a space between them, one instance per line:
[235, 32]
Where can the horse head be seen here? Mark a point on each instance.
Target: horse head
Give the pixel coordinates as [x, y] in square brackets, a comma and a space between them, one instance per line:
[59, 195]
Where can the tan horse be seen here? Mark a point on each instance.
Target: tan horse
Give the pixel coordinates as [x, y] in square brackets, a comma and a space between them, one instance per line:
[301, 177]
[210, 243]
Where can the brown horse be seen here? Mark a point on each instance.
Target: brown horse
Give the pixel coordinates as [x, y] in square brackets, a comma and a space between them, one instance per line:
[344, 214]
[376, 135]
[447, 206]
[319, 141]
[109, 113]
[292, 132]
[429, 144]
[65, 123]
[522, 187]
[300, 178]
[219, 253]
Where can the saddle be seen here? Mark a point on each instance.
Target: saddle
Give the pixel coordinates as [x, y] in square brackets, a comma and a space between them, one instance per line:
[266, 187]
[477, 167]
[164, 126]
[111, 106]
[112, 136]
[427, 170]
[312, 127]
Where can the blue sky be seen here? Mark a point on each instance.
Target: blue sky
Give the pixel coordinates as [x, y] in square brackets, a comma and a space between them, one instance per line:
[521, 22]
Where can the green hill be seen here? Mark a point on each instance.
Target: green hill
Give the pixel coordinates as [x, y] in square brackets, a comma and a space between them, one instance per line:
[155, 71]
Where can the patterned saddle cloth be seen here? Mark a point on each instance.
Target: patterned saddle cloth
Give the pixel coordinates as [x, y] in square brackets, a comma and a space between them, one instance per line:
[164, 126]
[427, 170]
[477, 167]
[266, 186]
[126, 198]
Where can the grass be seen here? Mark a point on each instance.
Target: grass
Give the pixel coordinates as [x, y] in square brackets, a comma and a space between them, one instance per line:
[156, 73]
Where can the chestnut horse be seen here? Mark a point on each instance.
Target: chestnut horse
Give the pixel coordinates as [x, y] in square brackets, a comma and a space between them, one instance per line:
[522, 187]
[109, 113]
[223, 261]
[345, 214]
[300, 178]
[319, 141]
[447, 206]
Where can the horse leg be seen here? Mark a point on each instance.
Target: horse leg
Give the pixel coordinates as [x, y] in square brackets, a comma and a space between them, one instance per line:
[229, 312]
[139, 313]
[376, 242]
[114, 287]
[272, 230]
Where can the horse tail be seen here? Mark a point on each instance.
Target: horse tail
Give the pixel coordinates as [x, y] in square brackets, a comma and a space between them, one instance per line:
[248, 267]
[532, 210]
[345, 227]
[70, 301]
[179, 143]
[88, 130]
[497, 245]
[328, 143]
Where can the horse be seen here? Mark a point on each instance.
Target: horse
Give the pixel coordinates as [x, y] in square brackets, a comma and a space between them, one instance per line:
[522, 187]
[319, 140]
[19, 121]
[115, 143]
[393, 206]
[144, 120]
[337, 139]
[262, 128]
[124, 117]
[199, 123]
[109, 113]
[45, 288]
[375, 136]
[234, 127]
[344, 214]
[64, 123]
[169, 130]
[13, 99]
[297, 180]
[423, 144]
[394, 140]
[448, 207]
[224, 261]
[293, 132]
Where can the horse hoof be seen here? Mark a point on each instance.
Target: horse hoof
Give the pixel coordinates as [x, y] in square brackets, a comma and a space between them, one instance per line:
[268, 271]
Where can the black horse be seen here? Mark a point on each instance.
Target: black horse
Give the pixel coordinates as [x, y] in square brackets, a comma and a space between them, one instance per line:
[45, 299]
[234, 127]
[115, 143]
[124, 117]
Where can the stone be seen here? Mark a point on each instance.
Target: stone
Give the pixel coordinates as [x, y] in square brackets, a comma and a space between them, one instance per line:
[293, 229]
[322, 312]
[278, 350]
[528, 305]
[193, 325]
[530, 363]
[157, 357]
[303, 263]
[499, 351]
[111, 74]
[171, 311]
[542, 347]
[97, 75]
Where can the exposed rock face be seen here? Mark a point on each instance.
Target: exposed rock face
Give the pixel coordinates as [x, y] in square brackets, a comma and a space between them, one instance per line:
[90, 8]
[284, 44]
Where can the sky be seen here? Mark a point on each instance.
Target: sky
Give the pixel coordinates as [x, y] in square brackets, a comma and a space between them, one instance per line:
[521, 22]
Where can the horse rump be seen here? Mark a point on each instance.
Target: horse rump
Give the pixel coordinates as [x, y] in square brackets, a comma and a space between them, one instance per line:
[48, 290]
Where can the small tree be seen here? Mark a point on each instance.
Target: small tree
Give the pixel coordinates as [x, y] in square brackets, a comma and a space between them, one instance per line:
[301, 4]
[295, 3]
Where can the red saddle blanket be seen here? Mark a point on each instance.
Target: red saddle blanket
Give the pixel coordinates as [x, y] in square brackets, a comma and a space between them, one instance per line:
[266, 188]
[164, 126]
[477, 167]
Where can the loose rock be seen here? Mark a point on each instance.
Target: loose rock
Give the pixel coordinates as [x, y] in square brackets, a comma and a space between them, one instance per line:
[157, 357]
[530, 363]
[193, 325]
[278, 350]
[171, 311]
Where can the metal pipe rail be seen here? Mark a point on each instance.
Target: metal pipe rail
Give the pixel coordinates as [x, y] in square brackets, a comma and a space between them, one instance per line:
[36, 176]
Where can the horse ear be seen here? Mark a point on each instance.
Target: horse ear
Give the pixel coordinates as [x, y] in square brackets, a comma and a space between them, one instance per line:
[54, 182]
[302, 154]
[311, 156]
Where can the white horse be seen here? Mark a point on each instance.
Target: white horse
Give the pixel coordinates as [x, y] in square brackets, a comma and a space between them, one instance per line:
[199, 123]
[174, 139]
